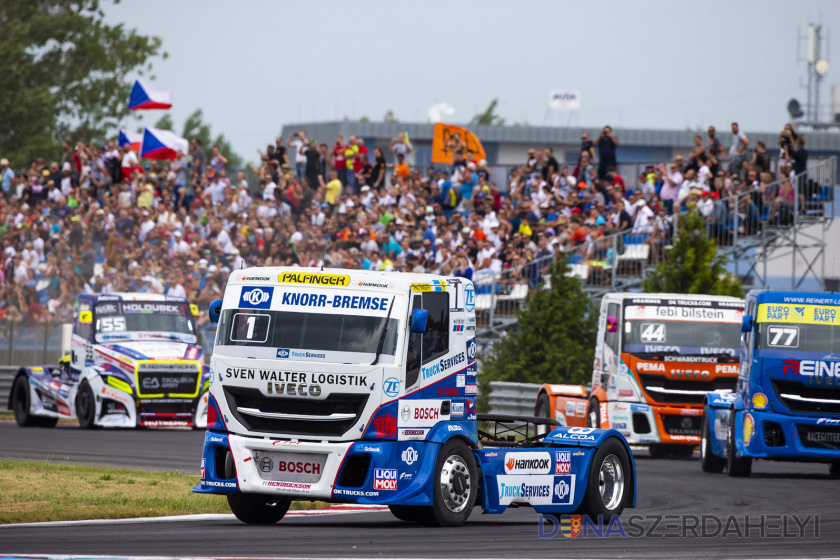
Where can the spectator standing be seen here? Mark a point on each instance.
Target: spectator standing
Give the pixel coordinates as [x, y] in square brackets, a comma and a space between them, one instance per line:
[6, 178]
[339, 159]
[298, 140]
[737, 151]
[401, 145]
[607, 144]
[218, 161]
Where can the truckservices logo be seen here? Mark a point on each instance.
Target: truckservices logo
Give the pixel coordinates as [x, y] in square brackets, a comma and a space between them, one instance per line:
[340, 280]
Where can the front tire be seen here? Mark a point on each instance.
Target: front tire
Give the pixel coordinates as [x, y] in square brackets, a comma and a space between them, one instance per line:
[735, 466]
[709, 462]
[455, 486]
[86, 407]
[414, 514]
[20, 402]
[255, 509]
[610, 481]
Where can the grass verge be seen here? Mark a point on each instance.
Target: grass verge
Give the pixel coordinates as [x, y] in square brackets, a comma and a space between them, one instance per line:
[41, 491]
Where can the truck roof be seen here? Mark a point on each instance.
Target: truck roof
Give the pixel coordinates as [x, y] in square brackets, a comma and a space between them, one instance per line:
[336, 277]
[621, 296]
[129, 296]
[794, 296]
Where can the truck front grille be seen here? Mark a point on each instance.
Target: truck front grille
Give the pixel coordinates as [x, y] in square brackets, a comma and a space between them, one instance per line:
[682, 391]
[820, 437]
[347, 406]
[174, 380]
[798, 397]
[682, 425]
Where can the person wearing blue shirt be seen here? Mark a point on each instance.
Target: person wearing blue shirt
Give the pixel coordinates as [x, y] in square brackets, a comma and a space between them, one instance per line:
[6, 176]
[468, 181]
[429, 234]
[390, 246]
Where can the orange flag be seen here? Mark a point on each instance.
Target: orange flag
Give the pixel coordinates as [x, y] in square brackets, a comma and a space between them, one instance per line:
[446, 139]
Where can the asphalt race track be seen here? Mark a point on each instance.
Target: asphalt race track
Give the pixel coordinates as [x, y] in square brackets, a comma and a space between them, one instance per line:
[666, 488]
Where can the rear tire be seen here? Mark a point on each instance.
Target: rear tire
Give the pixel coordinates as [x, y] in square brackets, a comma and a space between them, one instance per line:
[20, 403]
[735, 466]
[834, 470]
[255, 509]
[593, 416]
[659, 451]
[543, 410]
[46, 422]
[609, 482]
[86, 407]
[709, 462]
[455, 486]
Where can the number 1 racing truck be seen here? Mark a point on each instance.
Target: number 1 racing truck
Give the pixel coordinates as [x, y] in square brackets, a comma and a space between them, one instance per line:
[134, 360]
[656, 358]
[360, 387]
[787, 403]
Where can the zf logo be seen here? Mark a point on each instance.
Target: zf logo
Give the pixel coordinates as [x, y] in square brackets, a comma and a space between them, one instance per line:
[391, 387]
[469, 298]
[256, 298]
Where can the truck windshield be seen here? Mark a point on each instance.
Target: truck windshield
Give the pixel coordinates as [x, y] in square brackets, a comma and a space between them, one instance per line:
[681, 330]
[116, 320]
[306, 331]
[799, 337]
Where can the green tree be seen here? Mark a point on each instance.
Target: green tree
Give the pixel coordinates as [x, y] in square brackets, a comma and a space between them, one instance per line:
[195, 127]
[389, 117]
[489, 116]
[554, 341]
[64, 75]
[693, 265]
[165, 122]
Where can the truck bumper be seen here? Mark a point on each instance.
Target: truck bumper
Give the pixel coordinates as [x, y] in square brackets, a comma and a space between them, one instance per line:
[769, 435]
[364, 472]
[645, 424]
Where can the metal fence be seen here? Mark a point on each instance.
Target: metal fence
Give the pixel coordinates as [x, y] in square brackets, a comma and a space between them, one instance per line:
[21, 344]
[512, 398]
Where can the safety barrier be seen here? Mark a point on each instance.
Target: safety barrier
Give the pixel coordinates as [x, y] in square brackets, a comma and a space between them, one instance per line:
[7, 375]
[513, 398]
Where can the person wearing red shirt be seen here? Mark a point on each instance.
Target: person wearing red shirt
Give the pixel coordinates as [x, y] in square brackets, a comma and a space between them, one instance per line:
[340, 159]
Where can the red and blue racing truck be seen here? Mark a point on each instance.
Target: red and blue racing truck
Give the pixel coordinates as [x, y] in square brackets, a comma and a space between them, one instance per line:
[787, 403]
[359, 386]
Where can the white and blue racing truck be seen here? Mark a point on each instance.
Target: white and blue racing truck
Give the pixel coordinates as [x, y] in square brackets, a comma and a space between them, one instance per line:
[359, 386]
[133, 361]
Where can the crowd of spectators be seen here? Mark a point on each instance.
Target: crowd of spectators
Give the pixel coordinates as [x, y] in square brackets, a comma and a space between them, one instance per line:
[97, 219]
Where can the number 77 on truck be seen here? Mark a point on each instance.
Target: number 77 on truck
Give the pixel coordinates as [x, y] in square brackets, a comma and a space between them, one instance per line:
[360, 386]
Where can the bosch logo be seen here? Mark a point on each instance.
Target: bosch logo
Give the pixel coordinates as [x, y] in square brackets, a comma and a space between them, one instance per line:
[410, 456]
[426, 413]
[299, 467]
[405, 413]
[266, 464]
[256, 298]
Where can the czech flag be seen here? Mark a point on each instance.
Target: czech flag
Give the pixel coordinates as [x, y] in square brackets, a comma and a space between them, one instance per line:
[133, 139]
[146, 96]
[162, 144]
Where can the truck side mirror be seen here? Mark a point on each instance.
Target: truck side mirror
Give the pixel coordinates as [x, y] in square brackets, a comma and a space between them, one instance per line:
[746, 323]
[418, 320]
[612, 324]
[215, 310]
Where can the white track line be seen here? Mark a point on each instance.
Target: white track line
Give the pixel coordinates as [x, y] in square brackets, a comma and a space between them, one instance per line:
[340, 509]
[163, 557]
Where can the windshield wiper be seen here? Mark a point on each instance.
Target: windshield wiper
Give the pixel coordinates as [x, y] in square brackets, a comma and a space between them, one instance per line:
[384, 331]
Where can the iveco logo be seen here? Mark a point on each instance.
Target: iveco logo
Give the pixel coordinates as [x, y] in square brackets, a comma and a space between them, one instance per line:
[300, 389]
[256, 297]
[688, 374]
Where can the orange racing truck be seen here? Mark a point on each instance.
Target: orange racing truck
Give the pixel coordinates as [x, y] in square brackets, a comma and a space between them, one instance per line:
[656, 357]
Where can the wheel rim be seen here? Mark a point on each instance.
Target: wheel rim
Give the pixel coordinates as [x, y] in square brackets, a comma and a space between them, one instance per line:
[703, 441]
[455, 483]
[611, 482]
[592, 420]
[542, 429]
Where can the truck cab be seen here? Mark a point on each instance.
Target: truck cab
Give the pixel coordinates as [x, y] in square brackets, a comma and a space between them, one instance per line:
[360, 386]
[787, 402]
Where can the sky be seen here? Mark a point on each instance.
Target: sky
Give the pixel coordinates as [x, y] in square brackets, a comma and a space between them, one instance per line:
[252, 66]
